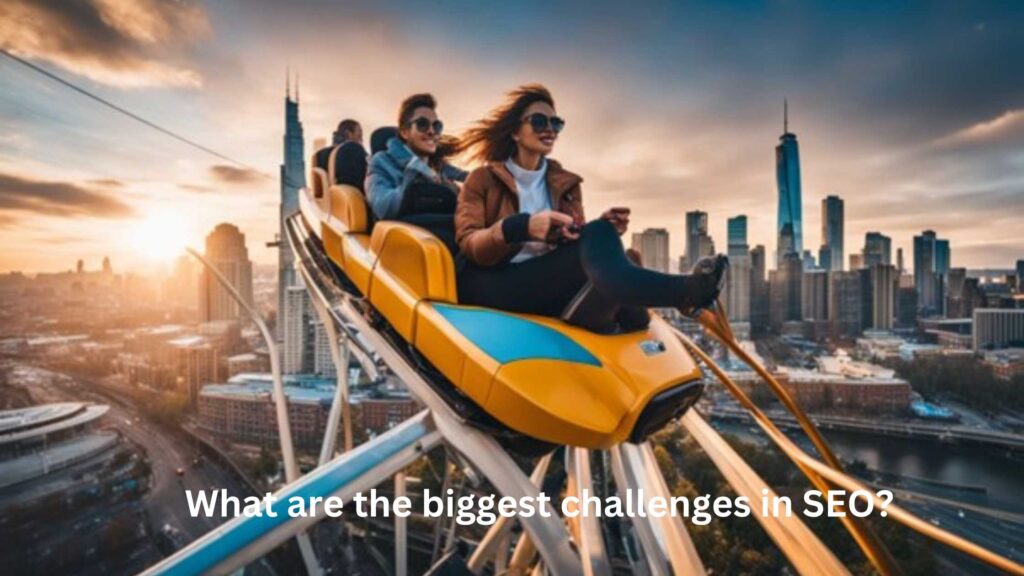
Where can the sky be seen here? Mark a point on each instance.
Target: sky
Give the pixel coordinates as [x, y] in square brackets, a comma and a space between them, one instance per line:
[912, 112]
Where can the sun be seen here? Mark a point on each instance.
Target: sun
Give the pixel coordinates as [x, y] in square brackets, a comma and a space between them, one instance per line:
[160, 237]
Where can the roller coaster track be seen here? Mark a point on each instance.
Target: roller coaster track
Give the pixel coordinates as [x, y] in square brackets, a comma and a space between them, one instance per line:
[558, 546]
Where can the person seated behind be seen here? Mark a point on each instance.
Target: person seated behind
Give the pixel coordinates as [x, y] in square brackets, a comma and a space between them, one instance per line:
[410, 180]
[350, 160]
[525, 242]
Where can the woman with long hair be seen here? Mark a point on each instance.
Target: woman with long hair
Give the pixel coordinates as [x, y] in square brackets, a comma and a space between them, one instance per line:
[526, 244]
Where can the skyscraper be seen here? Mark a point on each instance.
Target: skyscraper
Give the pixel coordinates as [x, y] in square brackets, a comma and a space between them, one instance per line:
[883, 296]
[832, 255]
[941, 257]
[737, 235]
[1020, 276]
[787, 175]
[296, 320]
[955, 281]
[931, 264]
[226, 251]
[845, 303]
[652, 244]
[698, 243]
[877, 249]
[758, 290]
[814, 295]
[293, 177]
[297, 354]
[784, 289]
[739, 277]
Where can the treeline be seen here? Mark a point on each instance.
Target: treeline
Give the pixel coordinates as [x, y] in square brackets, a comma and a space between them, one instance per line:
[967, 380]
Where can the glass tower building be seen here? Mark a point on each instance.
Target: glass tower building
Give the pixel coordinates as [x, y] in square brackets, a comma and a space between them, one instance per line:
[787, 175]
[831, 256]
[293, 177]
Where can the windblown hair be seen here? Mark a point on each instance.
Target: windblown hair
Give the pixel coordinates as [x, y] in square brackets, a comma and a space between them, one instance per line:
[446, 145]
[491, 138]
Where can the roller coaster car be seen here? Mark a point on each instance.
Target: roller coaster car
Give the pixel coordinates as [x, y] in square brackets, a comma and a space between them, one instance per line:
[531, 375]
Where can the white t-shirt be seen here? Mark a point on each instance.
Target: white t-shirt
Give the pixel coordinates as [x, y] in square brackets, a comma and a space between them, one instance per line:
[532, 186]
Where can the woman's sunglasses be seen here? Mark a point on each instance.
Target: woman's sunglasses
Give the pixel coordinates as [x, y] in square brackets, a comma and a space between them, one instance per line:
[424, 124]
[541, 122]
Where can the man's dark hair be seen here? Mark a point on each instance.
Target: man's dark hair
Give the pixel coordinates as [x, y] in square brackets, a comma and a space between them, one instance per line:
[345, 129]
[410, 104]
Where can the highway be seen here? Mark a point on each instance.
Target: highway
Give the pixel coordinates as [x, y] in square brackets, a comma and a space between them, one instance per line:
[166, 450]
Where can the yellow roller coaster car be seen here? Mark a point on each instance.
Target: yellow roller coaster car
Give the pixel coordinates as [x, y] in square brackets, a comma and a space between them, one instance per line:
[535, 376]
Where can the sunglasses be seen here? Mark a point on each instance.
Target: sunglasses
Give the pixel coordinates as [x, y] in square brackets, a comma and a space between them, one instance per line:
[423, 125]
[541, 122]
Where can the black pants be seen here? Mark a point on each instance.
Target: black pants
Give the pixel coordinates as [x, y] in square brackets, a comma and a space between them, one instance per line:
[546, 284]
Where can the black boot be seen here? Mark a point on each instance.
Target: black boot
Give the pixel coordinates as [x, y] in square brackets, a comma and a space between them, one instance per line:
[705, 283]
[592, 311]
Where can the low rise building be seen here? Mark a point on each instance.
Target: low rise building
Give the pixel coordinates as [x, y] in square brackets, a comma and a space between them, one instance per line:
[243, 410]
[1005, 363]
[845, 385]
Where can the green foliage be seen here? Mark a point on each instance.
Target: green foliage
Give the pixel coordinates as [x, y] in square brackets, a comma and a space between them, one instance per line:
[967, 379]
[739, 545]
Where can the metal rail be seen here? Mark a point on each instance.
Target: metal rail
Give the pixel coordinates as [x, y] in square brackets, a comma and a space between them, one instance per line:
[242, 540]
[814, 469]
[716, 323]
[804, 550]
[586, 527]
[284, 429]
[666, 546]
[548, 533]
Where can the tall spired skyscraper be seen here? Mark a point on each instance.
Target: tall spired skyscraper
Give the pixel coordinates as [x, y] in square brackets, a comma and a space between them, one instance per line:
[293, 177]
[787, 175]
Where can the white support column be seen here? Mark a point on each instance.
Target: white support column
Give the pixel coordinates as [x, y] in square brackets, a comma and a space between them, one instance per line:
[284, 429]
[401, 539]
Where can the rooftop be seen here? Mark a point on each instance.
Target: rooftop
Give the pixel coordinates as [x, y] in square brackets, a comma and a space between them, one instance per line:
[39, 421]
[254, 386]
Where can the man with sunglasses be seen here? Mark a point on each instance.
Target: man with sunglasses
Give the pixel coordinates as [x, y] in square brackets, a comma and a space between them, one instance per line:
[410, 180]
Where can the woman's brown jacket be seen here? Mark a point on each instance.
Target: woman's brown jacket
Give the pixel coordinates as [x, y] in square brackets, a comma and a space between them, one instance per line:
[488, 226]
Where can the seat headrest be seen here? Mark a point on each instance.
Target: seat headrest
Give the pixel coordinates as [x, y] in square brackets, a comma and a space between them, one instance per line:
[379, 138]
[347, 165]
[318, 182]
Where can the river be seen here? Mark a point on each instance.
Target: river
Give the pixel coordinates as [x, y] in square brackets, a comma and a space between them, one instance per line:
[1001, 476]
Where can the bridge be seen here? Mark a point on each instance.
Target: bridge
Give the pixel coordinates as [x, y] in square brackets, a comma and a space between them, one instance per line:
[881, 427]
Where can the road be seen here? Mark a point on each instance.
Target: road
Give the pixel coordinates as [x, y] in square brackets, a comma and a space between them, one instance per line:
[167, 451]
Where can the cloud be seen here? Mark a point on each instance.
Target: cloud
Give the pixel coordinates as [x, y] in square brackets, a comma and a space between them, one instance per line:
[198, 188]
[63, 199]
[108, 182]
[118, 43]
[234, 175]
[1007, 125]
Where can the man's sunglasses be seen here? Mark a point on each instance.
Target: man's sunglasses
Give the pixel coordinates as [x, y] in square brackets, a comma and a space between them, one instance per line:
[423, 124]
[541, 122]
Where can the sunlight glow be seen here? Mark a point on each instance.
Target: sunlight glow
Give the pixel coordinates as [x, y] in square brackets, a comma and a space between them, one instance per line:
[160, 237]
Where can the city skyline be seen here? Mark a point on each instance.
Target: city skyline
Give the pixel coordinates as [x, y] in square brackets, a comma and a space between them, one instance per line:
[665, 123]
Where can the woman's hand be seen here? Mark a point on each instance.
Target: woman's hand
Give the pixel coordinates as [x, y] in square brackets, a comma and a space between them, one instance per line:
[549, 226]
[619, 217]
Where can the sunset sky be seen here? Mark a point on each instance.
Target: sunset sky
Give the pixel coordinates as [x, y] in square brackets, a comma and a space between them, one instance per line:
[913, 114]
